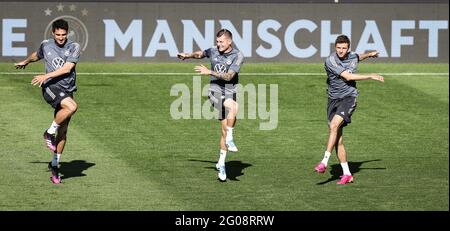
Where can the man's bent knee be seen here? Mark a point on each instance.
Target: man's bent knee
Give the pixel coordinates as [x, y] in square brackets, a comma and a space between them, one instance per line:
[335, 123]
[334, 127]
[69, 104]
[231, 104]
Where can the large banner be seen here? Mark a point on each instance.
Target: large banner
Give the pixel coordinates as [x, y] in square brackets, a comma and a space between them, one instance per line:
[156, 32]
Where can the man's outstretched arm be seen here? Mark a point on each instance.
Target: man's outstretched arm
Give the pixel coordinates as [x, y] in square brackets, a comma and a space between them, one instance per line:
[372, 54]
[350, 76]
[195, 55]
[32, 58]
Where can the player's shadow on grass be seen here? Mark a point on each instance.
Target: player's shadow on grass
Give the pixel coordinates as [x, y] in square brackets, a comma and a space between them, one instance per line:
[355, 167]
[70, 169]
[74, 168]
[234, 168]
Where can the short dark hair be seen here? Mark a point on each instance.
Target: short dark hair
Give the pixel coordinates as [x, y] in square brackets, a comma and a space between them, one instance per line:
[224, 32]
[60, 24]
[342, 39]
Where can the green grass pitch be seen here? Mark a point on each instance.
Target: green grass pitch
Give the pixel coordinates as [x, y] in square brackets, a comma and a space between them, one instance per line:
[125, 152]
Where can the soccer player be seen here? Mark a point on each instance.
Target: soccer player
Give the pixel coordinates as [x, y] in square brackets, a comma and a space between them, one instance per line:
[58, 85]
[341, 67]
[226, 62]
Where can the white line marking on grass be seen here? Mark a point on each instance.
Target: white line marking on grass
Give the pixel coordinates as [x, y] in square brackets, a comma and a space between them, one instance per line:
[254, 74]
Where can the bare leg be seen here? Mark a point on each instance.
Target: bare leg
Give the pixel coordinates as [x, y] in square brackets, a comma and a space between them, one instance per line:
[342, 155]
[68, 108]
[340, 149]
[62, 136]
[224, 134]
[62, 117]
[220, 166]
[231, 122]
[334, 127]
[232, 107]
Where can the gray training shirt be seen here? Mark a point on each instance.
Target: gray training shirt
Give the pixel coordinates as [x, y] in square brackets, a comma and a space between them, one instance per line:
[55, 57]
[221, 63]
[338, 87]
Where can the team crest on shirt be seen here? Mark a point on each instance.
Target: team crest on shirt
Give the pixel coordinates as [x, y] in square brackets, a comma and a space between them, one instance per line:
[67, 53]
[61, 94]
[229, 61]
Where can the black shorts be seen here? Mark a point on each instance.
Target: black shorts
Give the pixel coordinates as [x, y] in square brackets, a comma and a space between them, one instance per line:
[217, 99]
[343, 107]
[54, 94]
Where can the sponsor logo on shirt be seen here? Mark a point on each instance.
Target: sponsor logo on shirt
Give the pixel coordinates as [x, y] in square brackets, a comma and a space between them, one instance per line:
[57, 63]
[219, 68]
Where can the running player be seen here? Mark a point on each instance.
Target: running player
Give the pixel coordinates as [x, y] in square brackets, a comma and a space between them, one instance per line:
[226, 62]
[341, 67]
[58, 85]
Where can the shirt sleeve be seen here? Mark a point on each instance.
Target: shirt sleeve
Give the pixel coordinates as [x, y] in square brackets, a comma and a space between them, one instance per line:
[332, 66]
[74, 54]
[207, 53]
[40, 51]
[237, 62]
